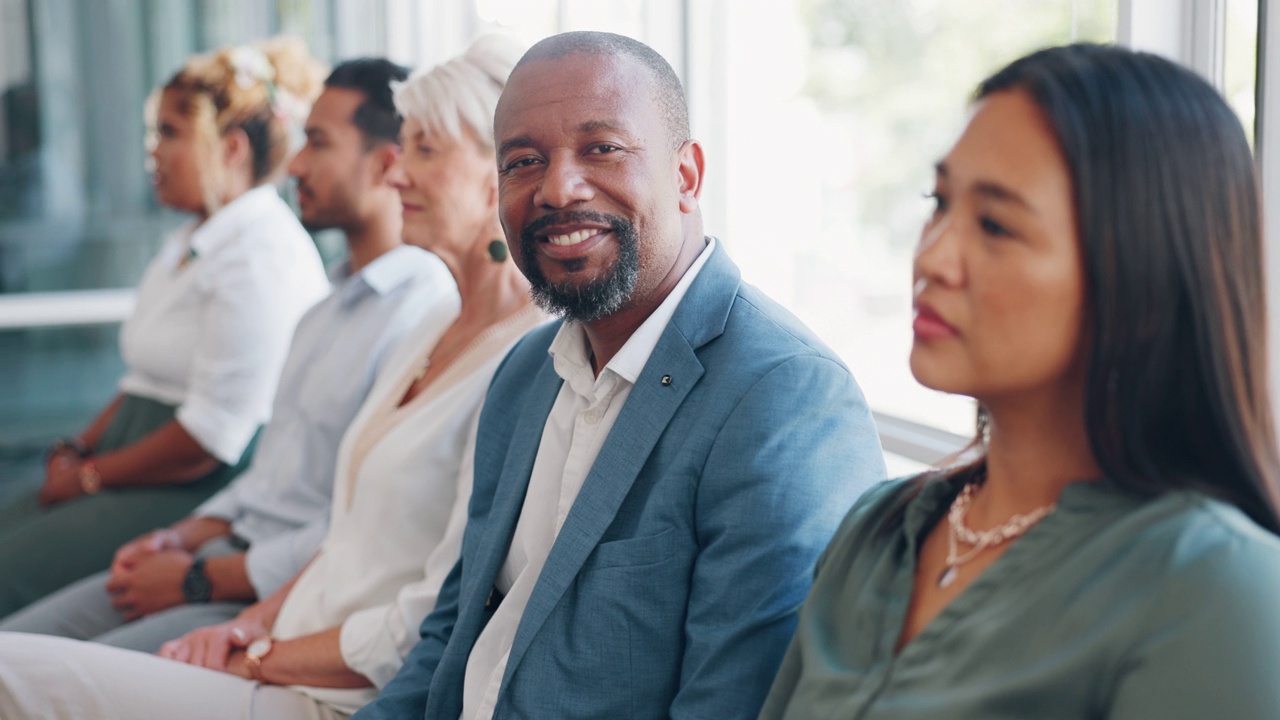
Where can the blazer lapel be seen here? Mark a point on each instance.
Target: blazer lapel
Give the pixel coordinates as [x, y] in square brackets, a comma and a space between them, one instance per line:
[671, 372]
[645, 416]
[514, 481]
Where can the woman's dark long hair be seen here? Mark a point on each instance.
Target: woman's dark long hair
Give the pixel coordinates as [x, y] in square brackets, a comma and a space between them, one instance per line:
[1167, 210]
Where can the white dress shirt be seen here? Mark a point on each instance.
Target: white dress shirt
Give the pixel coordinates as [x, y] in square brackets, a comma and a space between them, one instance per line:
[391, 510]
[216, 309]
[580, 420]
[281, 502]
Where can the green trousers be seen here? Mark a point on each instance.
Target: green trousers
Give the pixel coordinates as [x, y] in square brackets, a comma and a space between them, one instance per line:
[45, 549]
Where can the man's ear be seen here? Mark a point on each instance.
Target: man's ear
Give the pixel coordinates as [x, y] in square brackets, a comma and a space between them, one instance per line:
[384, 157]
[690, 171]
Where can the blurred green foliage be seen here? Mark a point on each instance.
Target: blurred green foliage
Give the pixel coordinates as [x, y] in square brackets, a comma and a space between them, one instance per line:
[899, 74]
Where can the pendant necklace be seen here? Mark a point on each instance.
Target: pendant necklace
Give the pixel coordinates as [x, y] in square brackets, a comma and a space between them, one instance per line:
[958, 532]
[422, 371]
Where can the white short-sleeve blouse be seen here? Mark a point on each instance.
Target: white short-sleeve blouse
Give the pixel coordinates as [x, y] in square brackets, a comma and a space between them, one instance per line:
[215, 311]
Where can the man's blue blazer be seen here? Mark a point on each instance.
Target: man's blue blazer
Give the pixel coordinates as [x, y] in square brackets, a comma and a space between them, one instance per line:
[673, 586]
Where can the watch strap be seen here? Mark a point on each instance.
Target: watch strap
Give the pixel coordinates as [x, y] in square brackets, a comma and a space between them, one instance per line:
[71, 444]
[196, 586]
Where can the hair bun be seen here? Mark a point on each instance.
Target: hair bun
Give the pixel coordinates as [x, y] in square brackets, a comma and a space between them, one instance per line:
[458, 96]
[494, 55]
[295, 70]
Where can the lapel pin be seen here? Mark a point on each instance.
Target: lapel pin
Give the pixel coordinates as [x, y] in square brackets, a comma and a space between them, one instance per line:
[666, 379]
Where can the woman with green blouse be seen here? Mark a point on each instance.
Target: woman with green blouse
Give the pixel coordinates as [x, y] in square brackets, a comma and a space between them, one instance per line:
[1092, 275]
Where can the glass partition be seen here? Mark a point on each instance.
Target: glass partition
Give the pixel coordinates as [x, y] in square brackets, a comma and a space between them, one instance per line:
[76, 207]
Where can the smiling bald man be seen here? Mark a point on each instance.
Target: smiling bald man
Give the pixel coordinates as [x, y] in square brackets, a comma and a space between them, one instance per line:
[656, 474]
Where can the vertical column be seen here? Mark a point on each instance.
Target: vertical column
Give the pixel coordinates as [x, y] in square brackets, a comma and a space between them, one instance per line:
[115, 69]
[360, 29]
[706, 84]
[1267, 145]
[170, 37]
[1190, 32]
[60, 93]
[663, 28]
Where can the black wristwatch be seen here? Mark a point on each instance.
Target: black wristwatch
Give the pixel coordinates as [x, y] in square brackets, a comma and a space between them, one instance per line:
[196, 586]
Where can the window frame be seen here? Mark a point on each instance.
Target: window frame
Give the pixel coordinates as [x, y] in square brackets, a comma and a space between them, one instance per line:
[1191, 32]
[1267, 148]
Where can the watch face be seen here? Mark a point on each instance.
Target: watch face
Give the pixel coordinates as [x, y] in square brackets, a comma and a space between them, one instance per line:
[259, 647]
[196, 587]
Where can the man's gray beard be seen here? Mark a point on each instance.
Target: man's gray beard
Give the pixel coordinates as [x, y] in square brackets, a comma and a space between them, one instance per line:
[595, 300]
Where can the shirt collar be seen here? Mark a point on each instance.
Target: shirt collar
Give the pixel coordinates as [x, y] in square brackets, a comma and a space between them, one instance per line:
[631, 359]
[572, 361]
[933, 499]
[569, 349]
[387, 272]
[229, 221]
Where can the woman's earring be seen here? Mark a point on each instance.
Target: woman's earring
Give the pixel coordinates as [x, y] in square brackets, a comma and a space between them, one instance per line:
[497, 251]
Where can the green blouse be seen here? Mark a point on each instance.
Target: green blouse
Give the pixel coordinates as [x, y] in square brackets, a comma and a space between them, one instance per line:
[1113, 606]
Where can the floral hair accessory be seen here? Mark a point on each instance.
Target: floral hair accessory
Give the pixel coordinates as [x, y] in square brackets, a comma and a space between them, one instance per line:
[252, 67]
[292, 112]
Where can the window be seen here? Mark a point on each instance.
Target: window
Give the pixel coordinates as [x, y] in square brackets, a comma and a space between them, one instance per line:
[821, 120]
[1240, 65]
[76, 207]
[824, 119]
[655, 22]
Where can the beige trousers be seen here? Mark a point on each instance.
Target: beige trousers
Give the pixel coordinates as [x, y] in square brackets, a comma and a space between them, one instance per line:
[53, 678]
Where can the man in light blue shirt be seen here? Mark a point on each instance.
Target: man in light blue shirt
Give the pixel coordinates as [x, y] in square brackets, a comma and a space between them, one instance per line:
[261, 530]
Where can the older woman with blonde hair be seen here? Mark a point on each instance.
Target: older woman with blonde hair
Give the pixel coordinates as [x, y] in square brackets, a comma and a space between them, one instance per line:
[321, 646]
[205, 344]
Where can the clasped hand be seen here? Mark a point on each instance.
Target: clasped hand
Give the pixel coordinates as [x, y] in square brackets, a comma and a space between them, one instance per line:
[61, 480]
[217, 647]
[147, 573]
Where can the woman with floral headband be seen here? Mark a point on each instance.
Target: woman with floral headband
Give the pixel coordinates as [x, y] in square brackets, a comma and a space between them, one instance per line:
[203, 348]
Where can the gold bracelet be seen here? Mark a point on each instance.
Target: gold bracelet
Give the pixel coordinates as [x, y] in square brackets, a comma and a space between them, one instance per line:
[90, 478]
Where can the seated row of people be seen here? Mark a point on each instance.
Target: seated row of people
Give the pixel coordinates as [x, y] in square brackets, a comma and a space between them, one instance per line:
[206, 342]
[620, 513]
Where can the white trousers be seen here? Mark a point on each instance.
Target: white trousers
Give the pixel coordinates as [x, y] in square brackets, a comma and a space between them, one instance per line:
[53, 678]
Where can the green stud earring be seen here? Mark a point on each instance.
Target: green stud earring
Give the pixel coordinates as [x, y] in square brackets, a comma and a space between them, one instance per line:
[498, 251]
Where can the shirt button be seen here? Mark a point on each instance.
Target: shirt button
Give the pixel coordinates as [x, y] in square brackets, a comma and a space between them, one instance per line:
[592, 417]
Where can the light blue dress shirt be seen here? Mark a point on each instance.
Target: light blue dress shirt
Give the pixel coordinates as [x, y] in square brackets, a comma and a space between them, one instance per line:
[281, 503]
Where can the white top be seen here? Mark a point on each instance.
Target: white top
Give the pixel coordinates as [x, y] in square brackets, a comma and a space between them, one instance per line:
[280, 504]
[390, 513]
[580, 420]
[216, 310]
